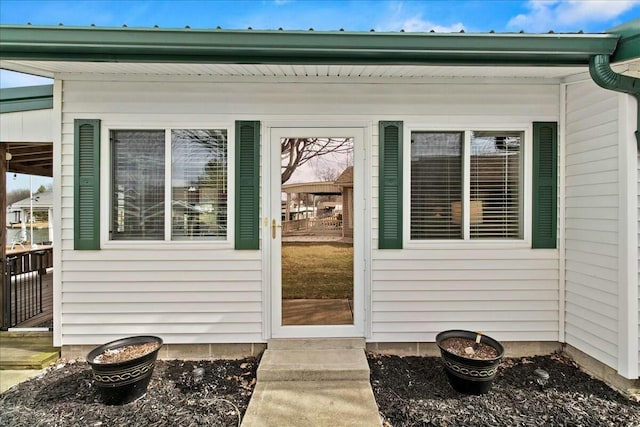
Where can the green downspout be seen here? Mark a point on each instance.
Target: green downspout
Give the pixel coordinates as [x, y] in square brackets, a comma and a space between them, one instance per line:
[605, 77]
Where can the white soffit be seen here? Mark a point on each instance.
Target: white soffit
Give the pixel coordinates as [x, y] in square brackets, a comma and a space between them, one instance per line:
[51, 68]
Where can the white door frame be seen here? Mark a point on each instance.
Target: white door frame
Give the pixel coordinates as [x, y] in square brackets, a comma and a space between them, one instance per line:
[273, 246]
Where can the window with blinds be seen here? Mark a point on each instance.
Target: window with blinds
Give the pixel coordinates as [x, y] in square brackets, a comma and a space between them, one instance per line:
[199, 184]
[436, 185]
[496, 194]
[138, 161]
[197, 177]
[493, 163]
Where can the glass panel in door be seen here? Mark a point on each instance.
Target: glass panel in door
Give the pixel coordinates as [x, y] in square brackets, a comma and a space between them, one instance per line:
[317, 231]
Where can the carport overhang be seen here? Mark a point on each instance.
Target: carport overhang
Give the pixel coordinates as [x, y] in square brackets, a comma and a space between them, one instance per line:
[29, 158]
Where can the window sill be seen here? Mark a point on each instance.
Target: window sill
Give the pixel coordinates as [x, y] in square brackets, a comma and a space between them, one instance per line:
[167, 245]
[468, 244]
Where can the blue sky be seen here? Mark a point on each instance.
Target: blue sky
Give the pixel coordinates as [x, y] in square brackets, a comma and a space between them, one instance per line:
[355, 15]
[20, 181]
[381, 15]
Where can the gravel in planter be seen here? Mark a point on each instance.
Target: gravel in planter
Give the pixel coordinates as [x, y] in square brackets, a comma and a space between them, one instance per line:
[414, 391]
[216, 395]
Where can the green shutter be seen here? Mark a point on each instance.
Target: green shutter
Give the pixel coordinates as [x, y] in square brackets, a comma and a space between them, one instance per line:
[545, 184]
[86, 211]
[390, 186]
[247, 185]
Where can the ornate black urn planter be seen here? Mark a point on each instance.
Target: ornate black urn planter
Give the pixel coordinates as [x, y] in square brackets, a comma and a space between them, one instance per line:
[467, 372]
[123, 381]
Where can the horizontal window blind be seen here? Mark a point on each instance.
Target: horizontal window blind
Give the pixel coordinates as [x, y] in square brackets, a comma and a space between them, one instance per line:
[496, 195]
[199, 184]
[436, 185]
[137, 199]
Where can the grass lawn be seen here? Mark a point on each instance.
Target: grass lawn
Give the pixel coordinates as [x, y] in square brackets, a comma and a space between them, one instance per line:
[317, 270]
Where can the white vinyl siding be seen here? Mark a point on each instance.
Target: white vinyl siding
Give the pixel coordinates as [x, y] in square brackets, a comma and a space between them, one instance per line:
[591, 223]
[638, 237]
[170, 293]
[26, 126]
[510, 294]
[211, 293]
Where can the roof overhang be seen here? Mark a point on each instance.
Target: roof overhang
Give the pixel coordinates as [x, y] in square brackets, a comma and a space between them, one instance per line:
[318, 188]
[155, 45]
[30, 158]
[629, 43]
[26, 98]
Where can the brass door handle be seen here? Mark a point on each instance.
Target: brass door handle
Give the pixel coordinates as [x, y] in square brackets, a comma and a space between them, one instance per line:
[273, 228]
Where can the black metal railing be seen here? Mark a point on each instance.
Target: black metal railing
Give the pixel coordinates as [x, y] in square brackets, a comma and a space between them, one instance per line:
[23, 285]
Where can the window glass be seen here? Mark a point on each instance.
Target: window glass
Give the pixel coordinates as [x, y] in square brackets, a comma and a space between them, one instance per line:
[496, 169]
[199, 184]
[493, 209]
[137, 199]
[436, 185]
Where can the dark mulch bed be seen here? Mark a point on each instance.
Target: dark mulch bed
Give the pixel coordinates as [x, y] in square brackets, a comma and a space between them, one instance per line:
[410, 391]
[414, 391]
[65, 396]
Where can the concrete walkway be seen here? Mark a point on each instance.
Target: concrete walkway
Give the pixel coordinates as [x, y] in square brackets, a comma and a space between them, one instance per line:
[317, 312]
[27, 350]
[313, 383]
[11, 377]
[23, 355]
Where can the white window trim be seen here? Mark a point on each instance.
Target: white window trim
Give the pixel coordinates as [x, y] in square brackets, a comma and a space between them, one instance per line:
[105, 188]
[479, 124]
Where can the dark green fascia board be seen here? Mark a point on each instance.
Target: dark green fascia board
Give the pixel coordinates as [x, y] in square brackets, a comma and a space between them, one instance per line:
[26, 98]
[98, 44]
[629, 43]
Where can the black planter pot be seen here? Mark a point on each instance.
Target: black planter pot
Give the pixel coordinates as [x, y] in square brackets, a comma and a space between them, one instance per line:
[124, 382]
[466, 375]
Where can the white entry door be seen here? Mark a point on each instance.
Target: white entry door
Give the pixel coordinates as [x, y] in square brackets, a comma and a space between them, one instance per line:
[316, 232]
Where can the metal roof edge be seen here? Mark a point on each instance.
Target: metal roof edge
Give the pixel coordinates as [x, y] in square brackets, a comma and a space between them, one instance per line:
[26, 98]
[108, 44]
[629, 43]
[401, 33]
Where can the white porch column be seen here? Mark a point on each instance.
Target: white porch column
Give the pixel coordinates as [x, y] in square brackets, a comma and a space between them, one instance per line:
[50, 223]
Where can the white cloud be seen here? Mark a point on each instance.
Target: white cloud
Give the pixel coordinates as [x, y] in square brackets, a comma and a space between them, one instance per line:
[417, 24]
[14, 79]
[568, 15]
[401, 15]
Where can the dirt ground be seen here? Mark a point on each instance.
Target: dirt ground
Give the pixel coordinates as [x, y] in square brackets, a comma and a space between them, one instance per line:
[410, 391]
